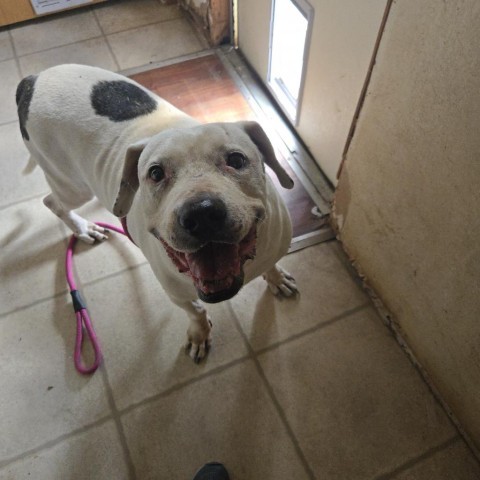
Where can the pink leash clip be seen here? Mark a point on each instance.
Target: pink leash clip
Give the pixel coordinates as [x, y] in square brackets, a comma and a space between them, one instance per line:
[81, 313]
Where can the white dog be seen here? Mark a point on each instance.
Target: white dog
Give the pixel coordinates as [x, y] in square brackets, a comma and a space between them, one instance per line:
[199, 203]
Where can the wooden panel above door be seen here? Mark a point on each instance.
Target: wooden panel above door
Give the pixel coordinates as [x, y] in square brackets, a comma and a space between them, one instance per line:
[14, 11]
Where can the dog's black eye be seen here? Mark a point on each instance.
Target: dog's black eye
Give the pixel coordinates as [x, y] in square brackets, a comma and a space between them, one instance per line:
[156, 173]
[236, 160]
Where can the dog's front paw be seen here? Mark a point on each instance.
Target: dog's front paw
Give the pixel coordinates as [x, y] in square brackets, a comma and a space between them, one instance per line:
[90, 232]
[84, 230]
[199, 341]
[280, 282]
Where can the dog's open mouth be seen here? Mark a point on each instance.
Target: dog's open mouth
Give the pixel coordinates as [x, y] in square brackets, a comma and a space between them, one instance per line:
[217, 268]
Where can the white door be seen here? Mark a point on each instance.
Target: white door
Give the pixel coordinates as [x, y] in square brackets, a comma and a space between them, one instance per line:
[340, 41]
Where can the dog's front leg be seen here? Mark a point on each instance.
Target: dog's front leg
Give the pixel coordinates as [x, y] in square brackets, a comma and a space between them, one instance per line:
[199, 338]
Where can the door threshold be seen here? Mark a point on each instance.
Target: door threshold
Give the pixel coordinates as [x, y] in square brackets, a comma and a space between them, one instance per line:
[318, 236]
[128, 72]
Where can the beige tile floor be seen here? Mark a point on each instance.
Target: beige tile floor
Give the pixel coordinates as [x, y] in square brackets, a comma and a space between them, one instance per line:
[314, 387]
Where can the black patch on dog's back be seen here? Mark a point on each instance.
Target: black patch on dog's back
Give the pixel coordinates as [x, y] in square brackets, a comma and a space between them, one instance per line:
[120, 100]
[24, 97]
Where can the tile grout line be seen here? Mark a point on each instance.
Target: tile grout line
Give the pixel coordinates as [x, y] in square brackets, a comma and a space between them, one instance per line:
[130, 268]
[181, 385]
[95, 37]
[56, 441]
[118, 423]
[151, 24]
[15, 55]
[69, 44]
[154, 65]
[105, 36]
[32, 304]
[23, 200]
[273, 398]
[419, 459]
[8, 122]
[320, 326]
[80, 284]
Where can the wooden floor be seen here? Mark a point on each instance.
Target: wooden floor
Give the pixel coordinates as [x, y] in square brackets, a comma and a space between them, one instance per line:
[203, 88]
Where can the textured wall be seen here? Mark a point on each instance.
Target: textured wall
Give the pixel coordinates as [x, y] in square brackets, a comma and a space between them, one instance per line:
[408, 199]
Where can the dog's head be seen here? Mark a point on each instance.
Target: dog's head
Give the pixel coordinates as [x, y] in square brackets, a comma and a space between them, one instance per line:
[203, 193]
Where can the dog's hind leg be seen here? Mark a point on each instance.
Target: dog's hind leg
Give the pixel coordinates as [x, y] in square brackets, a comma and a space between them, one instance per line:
[280, 282]
[30, 167]
[82, 228]
[68, 194]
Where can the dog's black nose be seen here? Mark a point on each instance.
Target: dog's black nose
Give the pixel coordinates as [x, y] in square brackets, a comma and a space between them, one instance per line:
[203, 217]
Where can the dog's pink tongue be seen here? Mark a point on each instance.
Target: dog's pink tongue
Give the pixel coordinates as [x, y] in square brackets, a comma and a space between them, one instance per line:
[214, 261]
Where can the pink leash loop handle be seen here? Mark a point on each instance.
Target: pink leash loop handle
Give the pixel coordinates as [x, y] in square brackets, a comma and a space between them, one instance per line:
[81, 313]
[82, 318]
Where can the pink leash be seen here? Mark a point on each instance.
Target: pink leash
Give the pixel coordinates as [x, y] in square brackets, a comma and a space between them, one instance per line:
[81, 313]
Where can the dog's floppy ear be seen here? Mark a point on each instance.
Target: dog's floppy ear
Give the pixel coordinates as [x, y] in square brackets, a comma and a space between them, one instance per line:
[260, 139]
[129, 182]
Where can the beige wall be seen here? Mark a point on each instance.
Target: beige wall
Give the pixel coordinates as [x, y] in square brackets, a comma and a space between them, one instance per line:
[408, 199]
[342, 43]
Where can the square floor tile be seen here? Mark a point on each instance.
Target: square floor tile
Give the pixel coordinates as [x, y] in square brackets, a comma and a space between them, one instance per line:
[455, 462]
[9, 78]
[154, 43]
[355, 402]
[6, 50]
[326, 290]
[54, 31]
[143, 336]
[14, 185]
[32, 255]
[42, 396]
[94, 52]
[92, 455]
[126, 14]
[227, 417]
